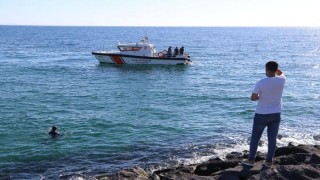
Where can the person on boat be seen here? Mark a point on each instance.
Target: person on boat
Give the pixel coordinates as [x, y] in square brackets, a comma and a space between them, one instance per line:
[169, 53]
[53, 132]
[181, 50]
[176, 51]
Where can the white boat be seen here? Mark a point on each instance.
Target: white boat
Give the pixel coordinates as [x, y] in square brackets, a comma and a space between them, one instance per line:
[142, 53]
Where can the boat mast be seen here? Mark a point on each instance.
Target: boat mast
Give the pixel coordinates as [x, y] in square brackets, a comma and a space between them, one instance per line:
[145, 39]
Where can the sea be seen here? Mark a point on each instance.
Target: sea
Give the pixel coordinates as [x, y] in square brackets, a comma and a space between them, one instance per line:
[152, 116]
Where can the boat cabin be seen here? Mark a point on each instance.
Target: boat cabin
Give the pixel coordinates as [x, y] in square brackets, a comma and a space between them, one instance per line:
[143, 48]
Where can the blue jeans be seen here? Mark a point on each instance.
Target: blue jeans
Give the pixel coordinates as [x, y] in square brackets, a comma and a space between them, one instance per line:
[261, 121]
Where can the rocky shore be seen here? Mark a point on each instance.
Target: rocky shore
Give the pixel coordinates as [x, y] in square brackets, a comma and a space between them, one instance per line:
[291, 162]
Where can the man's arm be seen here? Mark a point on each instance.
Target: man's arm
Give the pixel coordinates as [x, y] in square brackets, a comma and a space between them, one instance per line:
[254, 97]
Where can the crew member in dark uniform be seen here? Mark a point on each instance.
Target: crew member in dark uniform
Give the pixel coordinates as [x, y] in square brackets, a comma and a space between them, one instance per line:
[169, 51]
[181, 50]
[176, 51]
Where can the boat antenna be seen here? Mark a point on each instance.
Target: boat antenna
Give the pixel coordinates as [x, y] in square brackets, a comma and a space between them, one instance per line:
[145, 39]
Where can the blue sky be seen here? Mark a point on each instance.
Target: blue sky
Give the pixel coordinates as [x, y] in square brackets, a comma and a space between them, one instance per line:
[160, 12]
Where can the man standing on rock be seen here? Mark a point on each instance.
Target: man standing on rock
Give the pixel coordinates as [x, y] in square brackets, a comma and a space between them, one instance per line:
[268, 93]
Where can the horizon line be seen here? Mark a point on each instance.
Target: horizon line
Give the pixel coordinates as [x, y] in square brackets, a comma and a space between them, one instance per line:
[248, 26]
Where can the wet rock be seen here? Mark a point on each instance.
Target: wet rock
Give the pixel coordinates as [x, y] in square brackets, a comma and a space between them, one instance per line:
[234, 155]
[239, 172]
[172, 175]
[315, 159]
[290, 149]
[261, 143]
[132, 173]
[302, 157]
[207, 168]
[286, 160]
[181, 172]
[317, 137]
[289, 172]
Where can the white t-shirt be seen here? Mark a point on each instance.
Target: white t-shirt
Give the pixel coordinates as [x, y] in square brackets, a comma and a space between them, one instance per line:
[270, 94]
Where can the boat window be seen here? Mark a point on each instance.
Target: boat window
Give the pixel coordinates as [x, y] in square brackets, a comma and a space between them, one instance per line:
[129, 48]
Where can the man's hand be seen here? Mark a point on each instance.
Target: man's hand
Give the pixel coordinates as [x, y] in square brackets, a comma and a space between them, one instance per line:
[279, 72]
[254, 97]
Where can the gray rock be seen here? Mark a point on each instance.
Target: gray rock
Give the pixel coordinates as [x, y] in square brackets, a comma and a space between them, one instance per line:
[132, 173]
[315, 159]
[289, 172]
[234, 155]
[207, 168]
[181, 172]
[317, 137]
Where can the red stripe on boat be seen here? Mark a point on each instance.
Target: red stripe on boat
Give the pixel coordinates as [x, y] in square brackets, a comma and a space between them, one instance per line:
[117, 60]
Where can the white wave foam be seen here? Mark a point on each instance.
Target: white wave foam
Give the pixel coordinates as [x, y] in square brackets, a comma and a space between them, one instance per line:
[242, 145]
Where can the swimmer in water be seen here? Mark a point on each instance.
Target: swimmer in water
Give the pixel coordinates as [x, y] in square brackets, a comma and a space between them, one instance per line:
[53, 132]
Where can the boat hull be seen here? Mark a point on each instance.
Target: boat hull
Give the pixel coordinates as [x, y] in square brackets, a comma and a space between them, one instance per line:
[120, 59]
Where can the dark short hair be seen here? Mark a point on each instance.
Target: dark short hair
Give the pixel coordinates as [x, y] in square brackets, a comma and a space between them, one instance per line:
[272, 66]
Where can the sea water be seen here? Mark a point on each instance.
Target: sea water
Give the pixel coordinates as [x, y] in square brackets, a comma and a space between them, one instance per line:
[115, 117]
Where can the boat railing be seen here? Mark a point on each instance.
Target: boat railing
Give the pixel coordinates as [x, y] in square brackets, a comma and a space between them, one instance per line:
[109, 51]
